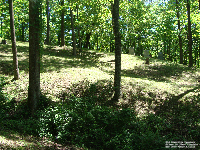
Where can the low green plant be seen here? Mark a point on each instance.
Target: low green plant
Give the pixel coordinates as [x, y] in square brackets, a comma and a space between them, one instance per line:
[82, 122]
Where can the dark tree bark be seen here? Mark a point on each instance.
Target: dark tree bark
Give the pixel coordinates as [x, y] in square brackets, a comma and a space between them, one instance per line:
[189, 35]
[97, 41]
[62, 25]
[87, 42]
[79, 34]
[23, 39]
[48, 27]
[169, 50]
[14, 48]
[73, 33]
[199, 39]
[116, 28]
[179, 33]
[34, 54]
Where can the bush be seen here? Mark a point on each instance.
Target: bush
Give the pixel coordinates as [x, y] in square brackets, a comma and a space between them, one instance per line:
[81, 122]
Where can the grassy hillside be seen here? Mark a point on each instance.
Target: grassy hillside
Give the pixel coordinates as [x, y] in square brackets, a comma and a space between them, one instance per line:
[162, 89]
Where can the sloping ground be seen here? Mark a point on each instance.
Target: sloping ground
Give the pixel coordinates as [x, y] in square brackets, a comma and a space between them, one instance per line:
[161, 88]
[158, 81]
[13, 140]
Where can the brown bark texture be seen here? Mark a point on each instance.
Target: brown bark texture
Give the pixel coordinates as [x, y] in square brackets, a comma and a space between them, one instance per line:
[116, 29]
[34, 54]
[62, 25]
[189, 35]
[14, 48]
[73, 33]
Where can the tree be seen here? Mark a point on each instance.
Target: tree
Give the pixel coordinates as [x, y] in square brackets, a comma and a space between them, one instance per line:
[117, 76]
[189, 35]
[73, 34]
[62, 24]
[34, 54]
[48, 17]
[14, 48]
[179, 33]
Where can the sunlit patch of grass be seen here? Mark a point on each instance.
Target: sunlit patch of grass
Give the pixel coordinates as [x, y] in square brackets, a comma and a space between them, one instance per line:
[17, 89]
[26, 44]
[52, 83]
[59, 69]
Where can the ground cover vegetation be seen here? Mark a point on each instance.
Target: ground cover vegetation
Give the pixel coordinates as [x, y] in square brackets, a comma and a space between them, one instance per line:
[160, 102]
[75, 86]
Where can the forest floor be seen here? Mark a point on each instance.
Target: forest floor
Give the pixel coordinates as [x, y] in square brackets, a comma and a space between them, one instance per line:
[161, 86]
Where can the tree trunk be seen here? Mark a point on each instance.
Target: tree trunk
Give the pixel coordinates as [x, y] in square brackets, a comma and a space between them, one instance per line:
[14, 48]
[116, 28]
[62, 25]
[73, 34]
[34, 54]
[189, 36]
[97, 41]
[199, 39]
[48, 27]
[22, 38]
[79, 37]
[87, 43]
[169, 50]
[179, 33]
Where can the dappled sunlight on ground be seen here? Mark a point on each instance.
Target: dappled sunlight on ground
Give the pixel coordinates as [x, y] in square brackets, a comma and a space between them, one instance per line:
[160, 88]
[60, 69]
[12, 140]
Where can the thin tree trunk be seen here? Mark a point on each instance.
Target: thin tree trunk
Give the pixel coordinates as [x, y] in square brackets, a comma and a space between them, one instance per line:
[189, 35]
[199, 39]
[73, 34]
[34, 54]
[14, 48]
[97, 41]
[62, 25]
[22, 38]
[116, 28]
[169, 50]
[79, 37]
[87, 44]
[1, 27]
[179, 33]
[48, 27]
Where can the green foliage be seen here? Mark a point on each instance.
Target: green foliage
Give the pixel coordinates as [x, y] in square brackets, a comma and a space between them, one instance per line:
[82, 115]
[82, 122]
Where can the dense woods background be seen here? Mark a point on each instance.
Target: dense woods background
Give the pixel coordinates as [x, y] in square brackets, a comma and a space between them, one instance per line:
[156, 26]
[75, 85]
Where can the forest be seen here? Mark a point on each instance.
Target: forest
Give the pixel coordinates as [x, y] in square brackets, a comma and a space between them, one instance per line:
[109, 74]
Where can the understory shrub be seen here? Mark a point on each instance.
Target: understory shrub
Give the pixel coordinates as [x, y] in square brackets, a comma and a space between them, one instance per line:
[81, 122]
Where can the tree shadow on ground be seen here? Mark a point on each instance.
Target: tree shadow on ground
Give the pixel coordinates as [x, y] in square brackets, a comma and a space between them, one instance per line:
[157, 72]
[101, 91]
[18, 130]
[83, 59]
[178, 114]
[182, 113]
[7, 64]
[15, 140]
[52, 60]
[171, 117]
